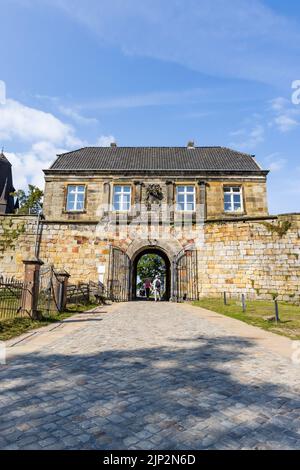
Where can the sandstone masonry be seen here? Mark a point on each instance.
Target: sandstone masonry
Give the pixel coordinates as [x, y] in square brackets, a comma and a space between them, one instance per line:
[240, 256]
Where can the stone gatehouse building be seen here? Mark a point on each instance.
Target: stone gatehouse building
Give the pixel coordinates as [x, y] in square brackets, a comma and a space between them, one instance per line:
[220, 181]
[202, 209]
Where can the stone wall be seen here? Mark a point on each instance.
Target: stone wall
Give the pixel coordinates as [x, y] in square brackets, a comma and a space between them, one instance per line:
[75, 247]
[251, 257]
[242, 256]
[56, 193]
[254, 194]
[17, 241]
[254, 198]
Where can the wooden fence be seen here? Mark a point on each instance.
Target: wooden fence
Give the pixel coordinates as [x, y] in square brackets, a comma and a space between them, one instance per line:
[44, 295]
[84, 293]
[45, 292]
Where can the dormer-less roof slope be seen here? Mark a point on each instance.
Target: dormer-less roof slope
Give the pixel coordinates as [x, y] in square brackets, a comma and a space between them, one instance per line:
[6, 186]
[117, 159]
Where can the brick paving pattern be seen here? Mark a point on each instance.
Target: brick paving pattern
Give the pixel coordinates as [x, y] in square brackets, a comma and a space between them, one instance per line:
[149, 376]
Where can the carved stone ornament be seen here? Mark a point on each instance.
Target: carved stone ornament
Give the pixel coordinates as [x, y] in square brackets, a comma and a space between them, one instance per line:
[154, 195]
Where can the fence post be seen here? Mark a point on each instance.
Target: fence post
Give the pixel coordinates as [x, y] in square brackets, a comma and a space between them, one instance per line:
[276, 311]
[31, 289]
[88, 293]
[244, 302]
[60, 289]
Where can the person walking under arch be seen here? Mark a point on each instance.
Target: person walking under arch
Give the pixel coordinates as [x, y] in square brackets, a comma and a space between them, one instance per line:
[156, 288]
[147, 286]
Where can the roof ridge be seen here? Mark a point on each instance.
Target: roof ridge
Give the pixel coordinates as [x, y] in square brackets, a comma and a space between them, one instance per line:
[77, 150]
[146, 147]
[150, 147]
[237, 151]
[156, 158]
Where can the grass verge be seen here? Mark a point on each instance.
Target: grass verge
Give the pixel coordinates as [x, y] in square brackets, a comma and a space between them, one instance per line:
[256, 313]
[12, 327]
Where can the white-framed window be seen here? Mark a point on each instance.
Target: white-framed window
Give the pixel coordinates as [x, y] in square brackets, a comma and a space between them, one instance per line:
[185, 198]
[233, 199]
[121, 198]
[75, 198]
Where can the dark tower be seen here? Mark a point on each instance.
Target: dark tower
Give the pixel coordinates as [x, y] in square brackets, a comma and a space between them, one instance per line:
[6, 186]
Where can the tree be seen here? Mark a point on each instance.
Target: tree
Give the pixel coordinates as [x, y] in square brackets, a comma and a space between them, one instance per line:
[149, 266]
[30, 202]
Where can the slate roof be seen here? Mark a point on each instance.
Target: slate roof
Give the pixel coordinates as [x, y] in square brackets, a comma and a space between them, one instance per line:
[155, 159]
[6, 185]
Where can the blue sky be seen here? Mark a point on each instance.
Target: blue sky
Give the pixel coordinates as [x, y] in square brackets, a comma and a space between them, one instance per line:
[152, 72]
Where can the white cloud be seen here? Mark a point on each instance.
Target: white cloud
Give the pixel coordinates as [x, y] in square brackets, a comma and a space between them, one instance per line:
[194, 115]
[2, 92]
[42, 135]
[286, 115]
[279, 103]
[239, 132]
[105, 141]
[76, 116]
[18, 121]
[147, 99]
[249, 139]
[28, 165]
[275, 162]
[285, 123]
[280, 115]
[241, 38]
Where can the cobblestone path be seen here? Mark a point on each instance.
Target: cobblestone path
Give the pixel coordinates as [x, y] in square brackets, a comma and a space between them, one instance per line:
[148, 376]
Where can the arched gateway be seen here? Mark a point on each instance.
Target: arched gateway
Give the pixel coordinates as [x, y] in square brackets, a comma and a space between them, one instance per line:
[162, 254]
[181, 281]
[107, 206]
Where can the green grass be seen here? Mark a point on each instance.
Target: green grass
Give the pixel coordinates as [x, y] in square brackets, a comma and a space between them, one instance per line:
[289, 314]
[12, 327]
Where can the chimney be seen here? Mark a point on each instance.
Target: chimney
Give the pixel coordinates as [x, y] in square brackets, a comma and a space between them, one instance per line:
[113, 144]
[191, 144]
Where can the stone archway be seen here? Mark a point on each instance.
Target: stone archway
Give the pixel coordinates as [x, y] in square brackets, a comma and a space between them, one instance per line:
[167, 249]
[170, 247]
[167, 262]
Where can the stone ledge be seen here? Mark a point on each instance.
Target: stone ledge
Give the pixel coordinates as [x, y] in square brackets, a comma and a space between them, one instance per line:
[241, 219]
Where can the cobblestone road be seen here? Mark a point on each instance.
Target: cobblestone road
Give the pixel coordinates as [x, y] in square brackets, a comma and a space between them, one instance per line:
[147, 376]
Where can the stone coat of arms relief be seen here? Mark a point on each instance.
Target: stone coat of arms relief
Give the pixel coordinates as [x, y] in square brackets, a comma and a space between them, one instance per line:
[154, 195]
